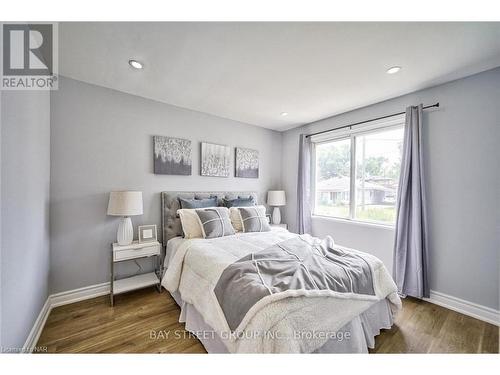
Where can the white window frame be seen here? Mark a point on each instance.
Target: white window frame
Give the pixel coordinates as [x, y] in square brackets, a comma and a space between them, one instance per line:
[348, 133]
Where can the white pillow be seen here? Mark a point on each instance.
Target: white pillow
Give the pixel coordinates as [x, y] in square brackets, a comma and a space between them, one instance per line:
[235, 216]
[191, 225]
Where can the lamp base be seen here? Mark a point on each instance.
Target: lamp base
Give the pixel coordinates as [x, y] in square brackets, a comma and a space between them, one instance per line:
[276, 216]
[125, 233]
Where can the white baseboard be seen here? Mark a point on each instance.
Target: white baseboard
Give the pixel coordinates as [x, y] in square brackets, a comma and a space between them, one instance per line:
[80, 294]
[63, 298]
[472, 309]
[59, 299]
[37, 329]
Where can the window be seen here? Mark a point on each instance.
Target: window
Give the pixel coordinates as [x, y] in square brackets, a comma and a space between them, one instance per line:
[357, 174]
[333, 181]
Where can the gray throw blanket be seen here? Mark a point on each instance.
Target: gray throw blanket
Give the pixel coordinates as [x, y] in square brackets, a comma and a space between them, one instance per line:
[291, 264]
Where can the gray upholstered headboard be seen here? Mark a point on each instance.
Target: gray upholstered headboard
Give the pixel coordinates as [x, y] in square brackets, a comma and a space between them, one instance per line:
[171, 224]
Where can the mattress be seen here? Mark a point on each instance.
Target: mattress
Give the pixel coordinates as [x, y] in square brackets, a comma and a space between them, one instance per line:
[354, 336]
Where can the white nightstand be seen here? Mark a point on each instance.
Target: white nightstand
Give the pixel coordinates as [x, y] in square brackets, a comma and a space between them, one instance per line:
[284, 226]
[135, 251]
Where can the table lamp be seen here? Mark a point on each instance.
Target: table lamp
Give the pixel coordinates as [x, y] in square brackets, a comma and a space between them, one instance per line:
[125, 204]
[276, 198]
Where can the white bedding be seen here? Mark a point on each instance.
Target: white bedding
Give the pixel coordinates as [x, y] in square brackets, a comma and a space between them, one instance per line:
[195, 265]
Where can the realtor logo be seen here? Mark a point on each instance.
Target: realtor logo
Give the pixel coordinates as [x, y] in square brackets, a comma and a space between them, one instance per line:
[29, 56]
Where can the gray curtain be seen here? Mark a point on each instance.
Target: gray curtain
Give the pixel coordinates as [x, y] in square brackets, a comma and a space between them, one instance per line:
[410, 268]
[304, 186]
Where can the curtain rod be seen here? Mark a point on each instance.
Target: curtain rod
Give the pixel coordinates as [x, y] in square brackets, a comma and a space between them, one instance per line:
[373, 119]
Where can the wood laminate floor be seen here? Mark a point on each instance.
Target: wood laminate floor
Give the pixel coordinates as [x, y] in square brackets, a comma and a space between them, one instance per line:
[140, 321]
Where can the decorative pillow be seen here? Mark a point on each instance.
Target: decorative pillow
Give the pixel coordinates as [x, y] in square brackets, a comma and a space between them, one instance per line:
[239, 202]
[198, 203]
[190, 223]
[234, 215]
[254, 219]
[215, 222]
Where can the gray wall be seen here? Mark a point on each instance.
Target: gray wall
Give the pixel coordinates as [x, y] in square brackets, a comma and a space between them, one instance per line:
[101, 140]
[25, 172]
[1, 246]
[462, 159]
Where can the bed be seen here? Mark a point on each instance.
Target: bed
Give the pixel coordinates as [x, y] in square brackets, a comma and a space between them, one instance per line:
[292, 321]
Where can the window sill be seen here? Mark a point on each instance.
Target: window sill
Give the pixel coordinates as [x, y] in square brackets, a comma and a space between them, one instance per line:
[355, 222]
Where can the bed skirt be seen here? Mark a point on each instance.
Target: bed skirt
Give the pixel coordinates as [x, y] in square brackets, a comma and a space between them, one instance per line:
[362, 329]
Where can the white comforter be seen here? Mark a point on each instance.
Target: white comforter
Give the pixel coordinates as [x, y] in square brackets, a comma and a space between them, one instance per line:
[300, 317]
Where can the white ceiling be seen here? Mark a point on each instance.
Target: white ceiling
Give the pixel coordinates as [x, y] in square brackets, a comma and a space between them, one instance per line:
[251, 72]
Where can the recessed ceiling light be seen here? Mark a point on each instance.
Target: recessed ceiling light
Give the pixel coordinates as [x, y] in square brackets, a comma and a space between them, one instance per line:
[135, 64]
[284, 114]
[393, 70]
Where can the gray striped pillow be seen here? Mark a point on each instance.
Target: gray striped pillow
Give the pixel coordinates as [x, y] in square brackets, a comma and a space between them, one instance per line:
[215, 222]
[254, 219]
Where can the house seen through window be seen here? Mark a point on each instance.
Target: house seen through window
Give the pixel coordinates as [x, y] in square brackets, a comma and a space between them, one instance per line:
[368, 191]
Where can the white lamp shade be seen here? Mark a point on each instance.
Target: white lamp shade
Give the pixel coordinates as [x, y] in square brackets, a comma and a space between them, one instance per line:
[125, 203]
[276, 198]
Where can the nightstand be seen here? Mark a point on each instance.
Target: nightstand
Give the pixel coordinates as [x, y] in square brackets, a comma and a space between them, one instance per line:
[133, 252]
[284, 226]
